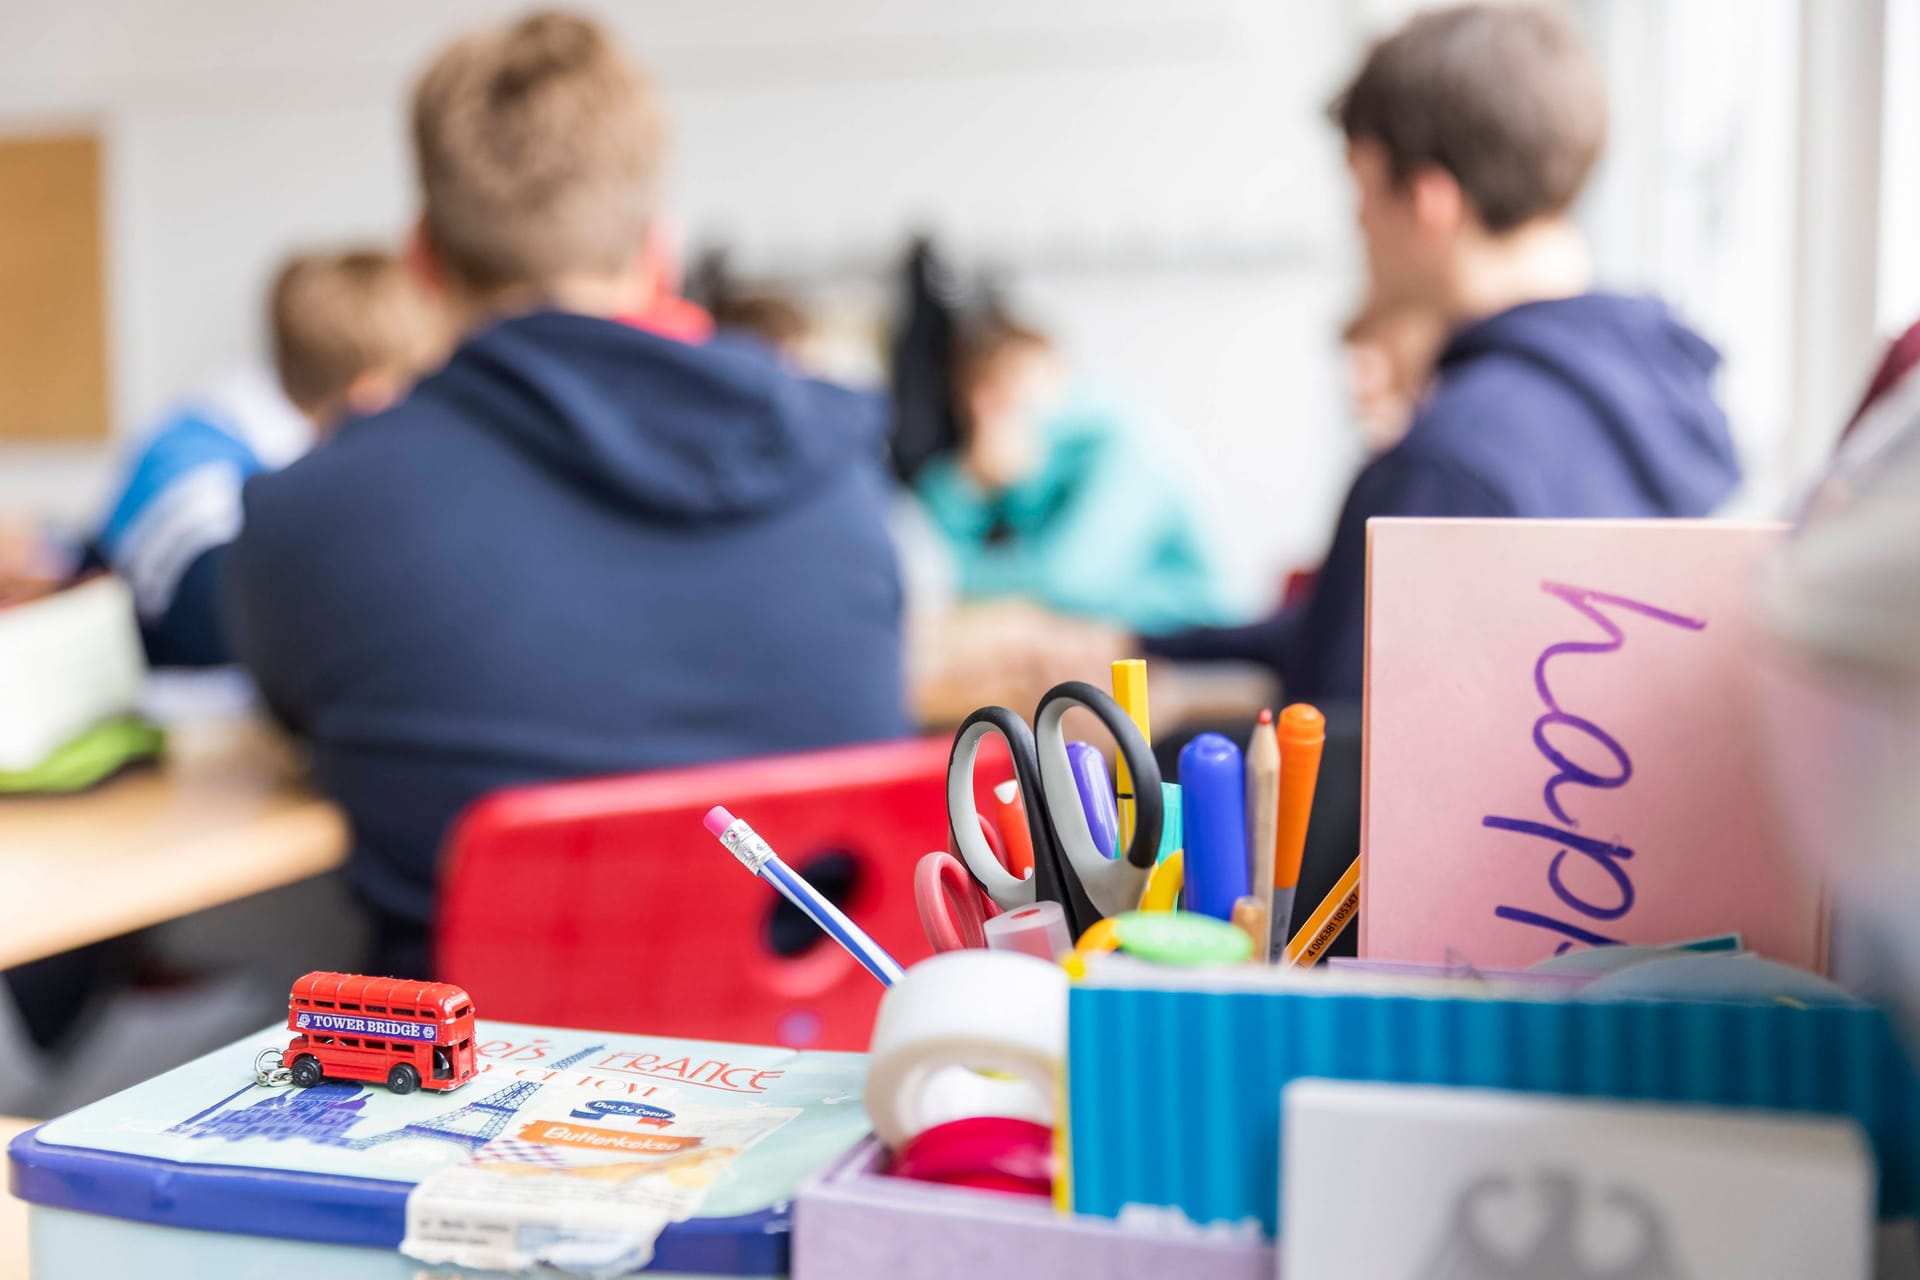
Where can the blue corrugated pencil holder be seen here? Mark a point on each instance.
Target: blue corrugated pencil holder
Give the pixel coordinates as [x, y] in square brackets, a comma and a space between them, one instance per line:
[1174, 1080]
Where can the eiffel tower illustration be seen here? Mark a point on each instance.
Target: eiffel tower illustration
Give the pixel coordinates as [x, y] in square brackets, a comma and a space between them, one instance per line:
[474, 1124]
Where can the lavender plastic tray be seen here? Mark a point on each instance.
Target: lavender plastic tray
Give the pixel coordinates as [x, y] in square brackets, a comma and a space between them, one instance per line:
[851, 1222]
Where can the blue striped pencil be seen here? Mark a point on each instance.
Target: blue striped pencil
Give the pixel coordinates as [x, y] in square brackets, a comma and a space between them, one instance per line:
[757, 856]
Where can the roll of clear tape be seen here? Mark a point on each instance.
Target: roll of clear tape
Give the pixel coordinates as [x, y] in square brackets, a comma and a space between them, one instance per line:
[955, 1017]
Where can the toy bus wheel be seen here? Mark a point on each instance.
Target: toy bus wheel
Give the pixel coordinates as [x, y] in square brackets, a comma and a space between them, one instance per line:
[306, 1071]
[403, 1079]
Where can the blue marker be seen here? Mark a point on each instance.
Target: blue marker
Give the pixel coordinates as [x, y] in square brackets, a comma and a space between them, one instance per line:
[1213, 795]
[1096, 795]
[757, 856]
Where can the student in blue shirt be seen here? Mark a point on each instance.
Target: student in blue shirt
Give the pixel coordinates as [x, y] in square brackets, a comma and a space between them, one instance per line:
[350, 331]
[1056, 501]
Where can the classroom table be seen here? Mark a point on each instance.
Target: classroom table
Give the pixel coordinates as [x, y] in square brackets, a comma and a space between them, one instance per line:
[224, 816]
[13, 1213]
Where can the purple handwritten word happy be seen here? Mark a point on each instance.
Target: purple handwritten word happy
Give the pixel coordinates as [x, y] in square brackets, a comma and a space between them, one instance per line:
[1558, 728]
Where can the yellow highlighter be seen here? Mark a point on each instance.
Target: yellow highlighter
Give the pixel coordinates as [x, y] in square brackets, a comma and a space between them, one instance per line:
[1168, 877]
[1130, 691]
[1101, 935]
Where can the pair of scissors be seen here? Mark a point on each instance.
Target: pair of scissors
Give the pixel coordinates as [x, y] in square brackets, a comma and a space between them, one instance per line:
[1069, 866]
[953, 910]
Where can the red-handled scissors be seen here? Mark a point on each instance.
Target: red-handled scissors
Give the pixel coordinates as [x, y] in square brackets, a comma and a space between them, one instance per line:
[953, 909]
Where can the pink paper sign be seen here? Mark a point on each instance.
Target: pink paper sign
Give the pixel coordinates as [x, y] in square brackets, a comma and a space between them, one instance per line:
[1563, 743]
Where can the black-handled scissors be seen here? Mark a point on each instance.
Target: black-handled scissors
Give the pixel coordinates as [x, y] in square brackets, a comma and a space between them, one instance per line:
[1068, 866]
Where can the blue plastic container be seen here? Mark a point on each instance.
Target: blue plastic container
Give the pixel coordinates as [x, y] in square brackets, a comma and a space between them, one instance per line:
[194, 1175]
[1184, 1110]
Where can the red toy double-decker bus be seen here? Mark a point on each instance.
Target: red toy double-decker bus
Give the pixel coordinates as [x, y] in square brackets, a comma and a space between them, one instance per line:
[410, 1035]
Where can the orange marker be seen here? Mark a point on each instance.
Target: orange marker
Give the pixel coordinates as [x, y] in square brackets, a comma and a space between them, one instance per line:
[1303, 732]
[1011, 819]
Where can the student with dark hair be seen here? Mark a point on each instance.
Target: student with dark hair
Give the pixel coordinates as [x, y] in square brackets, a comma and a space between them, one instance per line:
[1470, 132]
[1053, 497]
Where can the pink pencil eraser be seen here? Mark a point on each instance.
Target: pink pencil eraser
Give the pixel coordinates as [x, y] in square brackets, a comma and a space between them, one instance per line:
[718, 819]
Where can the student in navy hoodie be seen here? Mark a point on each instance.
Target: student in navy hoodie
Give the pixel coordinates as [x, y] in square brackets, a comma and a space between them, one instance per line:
[582, 547]
[1470, 132]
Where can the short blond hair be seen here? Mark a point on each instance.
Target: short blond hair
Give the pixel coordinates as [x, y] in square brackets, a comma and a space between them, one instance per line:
[336, 316]
[538, 146]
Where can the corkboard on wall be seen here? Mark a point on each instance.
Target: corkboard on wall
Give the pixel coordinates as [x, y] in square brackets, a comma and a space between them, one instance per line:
[53, 334]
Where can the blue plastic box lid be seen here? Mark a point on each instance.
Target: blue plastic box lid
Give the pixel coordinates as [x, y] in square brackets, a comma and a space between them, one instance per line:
[204, 1147]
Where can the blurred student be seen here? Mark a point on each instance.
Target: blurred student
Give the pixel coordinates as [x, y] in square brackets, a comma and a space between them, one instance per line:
[1054, 501]
[584, 546]
[31, 560]
[350, 331]
[1389, 352]
[1470, 132]
[769, 315]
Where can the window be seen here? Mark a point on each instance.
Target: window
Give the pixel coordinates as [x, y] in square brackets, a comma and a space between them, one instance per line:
[376, 1008]
[1696, 200]
[323, 1039]
[354, 1007]
[323, 1004]
[1899, 285]
[402, 1013]
[379, 1045]
[352, 1042]
[463, 1011]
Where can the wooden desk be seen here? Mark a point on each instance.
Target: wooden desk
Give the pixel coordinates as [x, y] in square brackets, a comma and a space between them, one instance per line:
[13, 1213]
[223, 818]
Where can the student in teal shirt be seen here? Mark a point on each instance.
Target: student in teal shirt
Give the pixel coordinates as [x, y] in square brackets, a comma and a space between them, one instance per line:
[1057, 502]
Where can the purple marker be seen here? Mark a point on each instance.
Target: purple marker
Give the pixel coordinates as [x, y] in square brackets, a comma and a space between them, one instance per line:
[757, 856]
[1096, 795]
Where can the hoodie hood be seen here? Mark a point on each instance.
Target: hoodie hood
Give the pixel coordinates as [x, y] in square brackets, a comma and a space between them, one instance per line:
[690, 432]
[1647, 377]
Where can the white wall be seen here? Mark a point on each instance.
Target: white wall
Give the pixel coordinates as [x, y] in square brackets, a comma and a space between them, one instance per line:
[1080, 141]
[817, 132]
